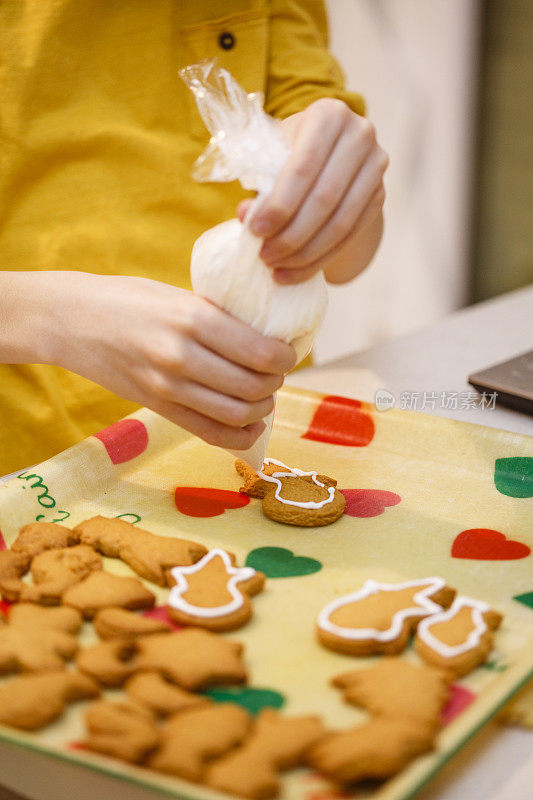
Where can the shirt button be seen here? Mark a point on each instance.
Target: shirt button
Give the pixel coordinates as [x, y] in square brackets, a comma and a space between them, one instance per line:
[226, 40]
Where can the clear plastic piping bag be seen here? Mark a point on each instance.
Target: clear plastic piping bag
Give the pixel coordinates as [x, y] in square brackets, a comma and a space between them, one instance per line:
[246, 144]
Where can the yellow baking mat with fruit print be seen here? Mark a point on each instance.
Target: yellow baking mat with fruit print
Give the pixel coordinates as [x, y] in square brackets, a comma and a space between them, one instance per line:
[424, 496]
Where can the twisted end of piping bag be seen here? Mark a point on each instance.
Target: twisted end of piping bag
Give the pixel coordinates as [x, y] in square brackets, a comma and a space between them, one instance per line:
[246, 143]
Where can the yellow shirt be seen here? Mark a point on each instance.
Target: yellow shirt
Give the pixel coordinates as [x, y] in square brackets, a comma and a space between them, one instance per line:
[97, 138]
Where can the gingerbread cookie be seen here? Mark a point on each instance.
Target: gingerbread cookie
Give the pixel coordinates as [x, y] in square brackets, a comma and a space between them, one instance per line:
[121, 730]
[36, 617]
[12, 567]
[193, 658]
[161, 697]
[519, 711]
[148, 555]
[378, 749]
[102, 589]
[460, 638]
[291, 495]
[26, 650]
[109, 662]
[257, 486]
[213, 593]
[33, 701]
[275, 743]
[54, 571]
[396, 688]
[195, 736]
[37, 537]
[380, 617]
[119, 623]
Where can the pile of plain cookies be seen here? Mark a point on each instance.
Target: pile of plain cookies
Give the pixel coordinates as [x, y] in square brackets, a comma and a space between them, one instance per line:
[163, 721]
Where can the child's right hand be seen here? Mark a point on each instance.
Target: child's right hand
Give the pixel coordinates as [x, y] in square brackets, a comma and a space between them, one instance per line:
[164, 348]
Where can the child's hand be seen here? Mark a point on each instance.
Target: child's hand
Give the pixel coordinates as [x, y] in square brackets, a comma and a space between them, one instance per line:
[167, 349]
[325, 209]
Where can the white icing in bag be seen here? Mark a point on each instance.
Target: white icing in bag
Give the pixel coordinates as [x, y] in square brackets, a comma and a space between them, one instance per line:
[225, 266]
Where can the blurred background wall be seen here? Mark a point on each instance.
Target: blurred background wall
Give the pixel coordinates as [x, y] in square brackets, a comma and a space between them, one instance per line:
[502, 257]
[446, 82]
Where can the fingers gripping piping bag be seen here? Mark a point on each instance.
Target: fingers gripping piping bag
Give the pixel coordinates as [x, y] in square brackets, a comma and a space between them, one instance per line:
[247, 144]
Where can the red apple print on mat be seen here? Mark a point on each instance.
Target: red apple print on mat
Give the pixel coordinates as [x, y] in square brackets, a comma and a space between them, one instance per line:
[487, 545]
[3, 545]
[460, 698]
[339, 420]
[368, 502]
[160, 613]
[124, 440]
[197, 501]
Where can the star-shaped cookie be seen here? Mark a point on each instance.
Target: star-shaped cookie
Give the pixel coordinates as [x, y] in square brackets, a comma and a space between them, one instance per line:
[194, 659]
[30, 650]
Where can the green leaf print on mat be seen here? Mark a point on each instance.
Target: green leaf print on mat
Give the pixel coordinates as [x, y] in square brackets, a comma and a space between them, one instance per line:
[252, 699]
[514, 476]
[526, 599]
[495, 666]
[278, 562]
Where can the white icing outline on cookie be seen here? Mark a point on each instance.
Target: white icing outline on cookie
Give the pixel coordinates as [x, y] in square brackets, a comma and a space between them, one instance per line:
[294, 472]
[370, 587]
[474, 637]
[238, 574]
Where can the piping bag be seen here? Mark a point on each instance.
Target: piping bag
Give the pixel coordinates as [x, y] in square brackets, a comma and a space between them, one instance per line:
[247, 144]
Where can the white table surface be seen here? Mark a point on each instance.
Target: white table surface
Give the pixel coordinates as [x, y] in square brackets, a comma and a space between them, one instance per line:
[497, 764]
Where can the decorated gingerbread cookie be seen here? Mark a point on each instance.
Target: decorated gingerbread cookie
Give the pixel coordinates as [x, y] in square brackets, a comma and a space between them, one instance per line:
[380, 617]
[213, 593]
[295, 497]
[460, 638]
[256, 485]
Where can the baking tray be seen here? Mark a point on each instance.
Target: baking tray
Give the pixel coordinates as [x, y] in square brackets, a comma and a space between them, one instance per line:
[416, 483]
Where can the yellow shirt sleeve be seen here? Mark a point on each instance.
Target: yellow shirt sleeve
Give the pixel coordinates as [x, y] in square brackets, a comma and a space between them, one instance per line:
[300, 68]
[97, 138]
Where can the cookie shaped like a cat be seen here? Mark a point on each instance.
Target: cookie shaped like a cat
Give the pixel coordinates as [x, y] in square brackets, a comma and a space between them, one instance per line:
[380, 617]
[292, 496]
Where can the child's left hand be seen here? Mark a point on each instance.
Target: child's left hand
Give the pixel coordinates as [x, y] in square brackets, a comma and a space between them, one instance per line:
[325, 209]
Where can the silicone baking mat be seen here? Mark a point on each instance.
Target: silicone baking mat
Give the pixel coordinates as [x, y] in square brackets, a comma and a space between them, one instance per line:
[414, 484]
